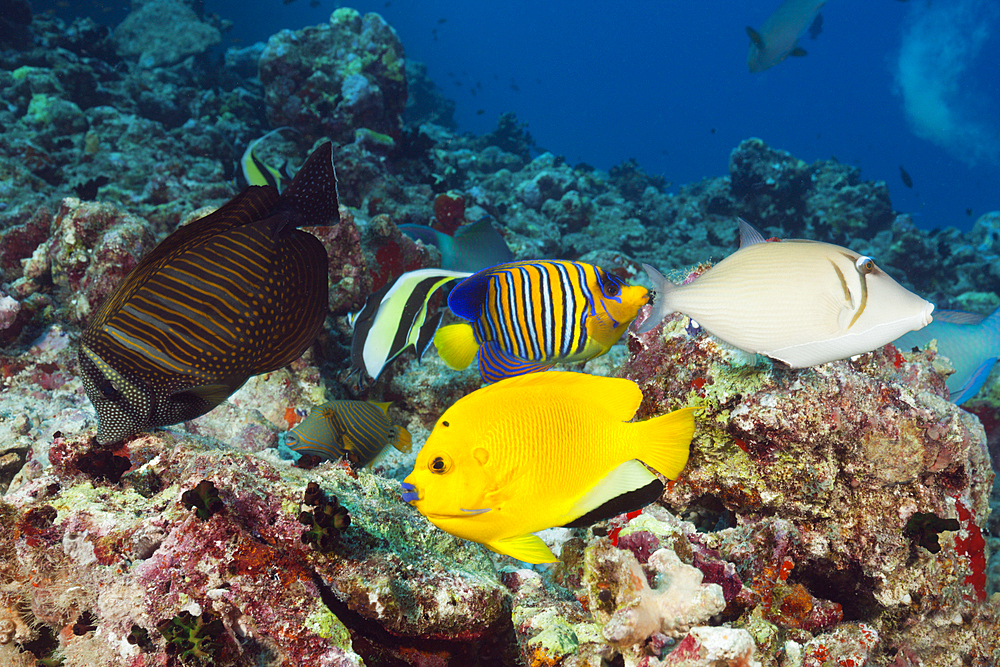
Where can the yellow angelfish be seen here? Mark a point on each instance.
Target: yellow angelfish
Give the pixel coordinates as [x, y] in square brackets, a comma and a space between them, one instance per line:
[541, 450]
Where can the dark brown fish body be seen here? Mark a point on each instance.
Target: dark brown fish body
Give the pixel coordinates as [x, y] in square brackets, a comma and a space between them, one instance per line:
[237, 293]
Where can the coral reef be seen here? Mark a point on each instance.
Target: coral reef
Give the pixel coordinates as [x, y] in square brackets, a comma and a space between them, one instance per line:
[829, 516]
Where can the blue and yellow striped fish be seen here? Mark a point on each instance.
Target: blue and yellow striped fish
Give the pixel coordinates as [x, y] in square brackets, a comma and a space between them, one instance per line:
[359, 430]
[237, 293]
[526, 316]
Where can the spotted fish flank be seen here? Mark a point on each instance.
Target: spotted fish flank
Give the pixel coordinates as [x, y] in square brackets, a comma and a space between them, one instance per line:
[526, 316]
[237, 293]
[359, 430]
[801, 302]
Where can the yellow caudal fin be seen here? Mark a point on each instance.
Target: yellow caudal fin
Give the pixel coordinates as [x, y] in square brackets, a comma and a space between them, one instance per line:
[457, 345]
[525, 548]
[402, 441]
[667, 441]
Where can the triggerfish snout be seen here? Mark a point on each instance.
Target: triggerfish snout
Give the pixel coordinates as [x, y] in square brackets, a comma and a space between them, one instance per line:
[522, 317]
[801, 302]
[234, 294]
[543, 450]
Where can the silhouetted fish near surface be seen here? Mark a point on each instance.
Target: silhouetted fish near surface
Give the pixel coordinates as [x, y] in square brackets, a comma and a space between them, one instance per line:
[778, 37]
[905, 177]
[234, 294]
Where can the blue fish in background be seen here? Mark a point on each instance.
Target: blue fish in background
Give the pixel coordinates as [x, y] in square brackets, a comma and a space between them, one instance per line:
[473, 247]
[970, 341]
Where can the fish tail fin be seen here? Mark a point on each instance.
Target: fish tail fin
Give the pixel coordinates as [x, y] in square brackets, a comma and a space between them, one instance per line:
[402, 440]
[661, 308]
[668, 441]
[456, 343]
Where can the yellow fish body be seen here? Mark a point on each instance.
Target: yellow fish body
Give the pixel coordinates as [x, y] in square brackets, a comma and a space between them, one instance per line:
[543, 450]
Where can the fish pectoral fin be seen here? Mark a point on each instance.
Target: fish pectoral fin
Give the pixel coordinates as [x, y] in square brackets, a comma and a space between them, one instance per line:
[525, 548]
[755, 37]
[213, 393]
[592, 349]
[481, 510]
[402, 440]
[798, 51]
[613, 491]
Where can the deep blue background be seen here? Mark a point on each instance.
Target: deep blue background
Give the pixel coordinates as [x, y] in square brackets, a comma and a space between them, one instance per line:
[667, 83]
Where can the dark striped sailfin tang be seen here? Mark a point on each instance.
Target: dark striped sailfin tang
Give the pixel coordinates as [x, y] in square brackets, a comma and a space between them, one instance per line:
[359, 430]
[237, 293]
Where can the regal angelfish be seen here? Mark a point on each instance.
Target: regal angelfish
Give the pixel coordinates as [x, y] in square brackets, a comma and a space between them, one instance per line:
[237, 293]
[526, 316]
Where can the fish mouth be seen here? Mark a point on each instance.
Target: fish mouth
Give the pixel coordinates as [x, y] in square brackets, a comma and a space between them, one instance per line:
[411, 494]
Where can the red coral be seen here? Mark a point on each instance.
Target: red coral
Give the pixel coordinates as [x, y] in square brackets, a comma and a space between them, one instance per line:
[449, 211]
[972, 547]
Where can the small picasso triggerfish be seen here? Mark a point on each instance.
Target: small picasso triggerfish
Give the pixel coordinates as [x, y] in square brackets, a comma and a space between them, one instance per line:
[526, 316]
[473, 247]
[237, 293]
[396, 318]
[970, 341]
[358, 430]
[257, 172]
[801, 302]
[778, 37]
[543, 450]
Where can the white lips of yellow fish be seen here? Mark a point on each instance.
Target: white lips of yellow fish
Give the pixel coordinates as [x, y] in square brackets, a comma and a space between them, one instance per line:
[781, 31]
[801, 302]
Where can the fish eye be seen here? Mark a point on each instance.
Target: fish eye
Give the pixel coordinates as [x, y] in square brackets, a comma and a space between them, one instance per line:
[439, 465]
[865, 265]
[108, 390]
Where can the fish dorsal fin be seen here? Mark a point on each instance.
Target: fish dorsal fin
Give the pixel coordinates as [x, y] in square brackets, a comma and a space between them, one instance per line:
[627, 480]
[466, 299]
[477, 246]
[749, 235]
[618, 397]
[311, 198]
[525, 548]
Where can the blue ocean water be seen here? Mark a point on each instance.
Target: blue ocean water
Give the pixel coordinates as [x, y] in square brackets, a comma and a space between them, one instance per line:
[886, 84]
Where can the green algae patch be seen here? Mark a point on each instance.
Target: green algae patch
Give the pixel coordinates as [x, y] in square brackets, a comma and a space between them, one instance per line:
[326, 624]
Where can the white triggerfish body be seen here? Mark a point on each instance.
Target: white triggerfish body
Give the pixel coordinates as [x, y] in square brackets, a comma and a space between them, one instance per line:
[801, 302]
[778, 37]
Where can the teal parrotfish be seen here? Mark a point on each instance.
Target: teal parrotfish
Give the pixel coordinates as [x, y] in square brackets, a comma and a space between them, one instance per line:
[357, 430]
[543, 450]
[472, 248]
[239, 292]
[778, 37]
[801, 302]
[523, 317]
[397, 317]
[970, 341]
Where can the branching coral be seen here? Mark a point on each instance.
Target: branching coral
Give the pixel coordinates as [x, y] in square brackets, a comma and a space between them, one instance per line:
[326, 521]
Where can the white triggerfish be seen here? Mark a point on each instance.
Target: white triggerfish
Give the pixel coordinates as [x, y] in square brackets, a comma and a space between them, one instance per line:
[801, 302]
[778, 37]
